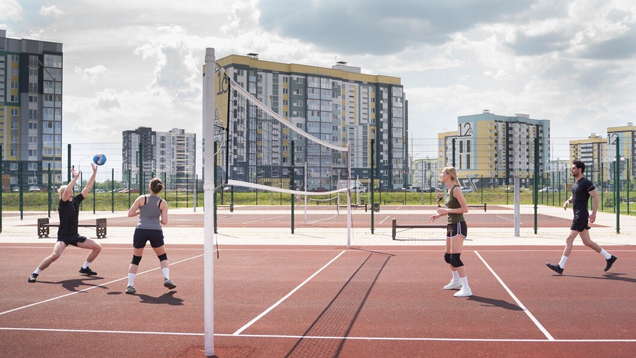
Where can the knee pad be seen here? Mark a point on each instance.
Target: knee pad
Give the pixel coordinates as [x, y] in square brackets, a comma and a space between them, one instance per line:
[136, 260]
[447, 258]
[163, 257]
[455, 261]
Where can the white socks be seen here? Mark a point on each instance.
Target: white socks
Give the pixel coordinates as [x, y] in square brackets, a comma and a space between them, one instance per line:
[564, 259]
[37, 271]
[166, 272]
[605, 254]
[455, 276]
[131, 279]
[86, 264]
[465, 283]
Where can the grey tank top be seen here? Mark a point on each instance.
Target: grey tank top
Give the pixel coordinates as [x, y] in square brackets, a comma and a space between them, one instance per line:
[149, 214]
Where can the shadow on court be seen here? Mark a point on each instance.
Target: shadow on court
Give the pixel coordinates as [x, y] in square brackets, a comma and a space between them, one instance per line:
[607, 276]
[492, 302]
[343, 310]
[76, 284]
[165, 299]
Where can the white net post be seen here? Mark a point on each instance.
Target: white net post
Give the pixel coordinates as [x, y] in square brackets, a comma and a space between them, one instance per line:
[349, 218]
[209, 97]
[305, 175]
[517, 205]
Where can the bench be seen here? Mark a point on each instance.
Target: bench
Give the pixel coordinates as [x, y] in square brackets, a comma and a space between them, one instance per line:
[395, 226]
[44, 225]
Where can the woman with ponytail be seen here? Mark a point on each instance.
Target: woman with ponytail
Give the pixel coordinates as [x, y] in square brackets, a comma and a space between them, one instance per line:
[456, 232]
[153, 212]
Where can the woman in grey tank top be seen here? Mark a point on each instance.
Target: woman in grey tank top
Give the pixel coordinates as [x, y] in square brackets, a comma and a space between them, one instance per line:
[153, 212]
[456, 232]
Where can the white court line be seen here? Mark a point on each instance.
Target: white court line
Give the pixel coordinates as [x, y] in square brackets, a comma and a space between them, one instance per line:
[286, 296]
[502, 218]
[278, 336]
[90, 288]
[317, 221]
[383, 220]
[536, 322]
[266, 219]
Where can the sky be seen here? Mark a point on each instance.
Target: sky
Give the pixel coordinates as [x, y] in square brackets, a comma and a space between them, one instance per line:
[139, 63]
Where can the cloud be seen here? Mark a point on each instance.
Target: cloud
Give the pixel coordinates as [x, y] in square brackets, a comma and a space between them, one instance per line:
[380, 27]
[177, 59]
[51, 11]
[10, 10]
[93, 74]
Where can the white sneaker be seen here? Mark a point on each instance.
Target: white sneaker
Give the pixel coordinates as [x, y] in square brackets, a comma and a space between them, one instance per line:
[453, 285]
[464, 292]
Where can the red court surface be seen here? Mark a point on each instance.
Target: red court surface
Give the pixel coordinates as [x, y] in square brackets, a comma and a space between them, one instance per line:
[282, 301]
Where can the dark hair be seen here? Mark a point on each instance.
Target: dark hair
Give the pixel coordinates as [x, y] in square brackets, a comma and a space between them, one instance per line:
[156, 185]
[579, 164]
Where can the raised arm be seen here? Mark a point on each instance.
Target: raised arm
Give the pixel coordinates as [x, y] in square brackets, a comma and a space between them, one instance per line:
[68, 192]
[91, 181]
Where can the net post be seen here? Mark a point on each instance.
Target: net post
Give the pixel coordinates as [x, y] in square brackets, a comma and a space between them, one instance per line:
[617, 185]
[209, 97]
[292, 186]
[373, 182]
[305, 175]
[349, 224]
[216, 151]
[535, 193]
[517, 214]
[49, 187]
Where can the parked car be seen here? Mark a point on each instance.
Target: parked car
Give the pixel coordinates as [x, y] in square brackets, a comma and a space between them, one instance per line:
[15, 189]
[411, 188]
[99, 191]
[319, 190]
[548, 190]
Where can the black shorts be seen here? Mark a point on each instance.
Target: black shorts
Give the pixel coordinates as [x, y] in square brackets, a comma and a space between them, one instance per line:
[453, 230]
[144, 235]
[72, 240]
[580, 223]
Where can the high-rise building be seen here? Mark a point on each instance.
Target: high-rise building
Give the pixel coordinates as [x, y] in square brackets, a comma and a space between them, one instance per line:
[625, 137]
[495, 148]
[170, 156]
[338, 105]
[140, 140]
[31, 110]
[591, 151]
[175, 157]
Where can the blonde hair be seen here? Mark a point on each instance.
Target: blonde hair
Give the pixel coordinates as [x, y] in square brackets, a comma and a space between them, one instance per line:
[453, 174]
[61, 189]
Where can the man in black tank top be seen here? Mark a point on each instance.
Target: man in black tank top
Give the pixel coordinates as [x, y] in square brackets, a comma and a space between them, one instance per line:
[582, 190]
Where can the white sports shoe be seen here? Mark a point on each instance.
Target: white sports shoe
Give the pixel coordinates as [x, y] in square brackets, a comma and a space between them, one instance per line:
[464, 292]
[453, 285]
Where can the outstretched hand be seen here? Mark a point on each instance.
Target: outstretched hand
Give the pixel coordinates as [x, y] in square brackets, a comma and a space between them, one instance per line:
[94, 168]
[75, 173]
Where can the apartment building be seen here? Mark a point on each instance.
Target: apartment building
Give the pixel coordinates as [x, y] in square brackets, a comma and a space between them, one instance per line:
[493, 148]
[339, 105]
[169, 155]
[30, 111]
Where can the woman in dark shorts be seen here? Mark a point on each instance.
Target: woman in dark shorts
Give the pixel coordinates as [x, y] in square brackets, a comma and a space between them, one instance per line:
[456, 232]
[153, 212]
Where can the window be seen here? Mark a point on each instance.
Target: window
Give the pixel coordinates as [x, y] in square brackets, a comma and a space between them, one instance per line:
[33, 166]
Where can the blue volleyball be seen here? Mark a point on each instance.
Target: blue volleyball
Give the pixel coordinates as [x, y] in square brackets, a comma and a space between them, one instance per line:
[99, 159]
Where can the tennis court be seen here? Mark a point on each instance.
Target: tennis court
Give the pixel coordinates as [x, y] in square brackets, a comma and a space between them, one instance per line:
[321, 301]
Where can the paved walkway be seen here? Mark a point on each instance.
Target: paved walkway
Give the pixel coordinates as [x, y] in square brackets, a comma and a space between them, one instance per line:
[24, 230]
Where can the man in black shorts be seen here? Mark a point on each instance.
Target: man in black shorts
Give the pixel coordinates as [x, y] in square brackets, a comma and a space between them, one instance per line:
[68, 210]
[581, 192]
